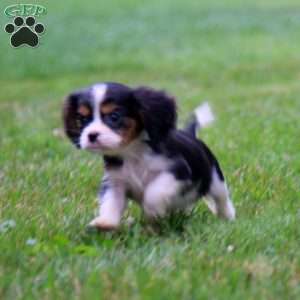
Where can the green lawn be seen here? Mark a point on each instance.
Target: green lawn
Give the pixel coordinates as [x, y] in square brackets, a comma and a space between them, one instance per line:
[241, 56]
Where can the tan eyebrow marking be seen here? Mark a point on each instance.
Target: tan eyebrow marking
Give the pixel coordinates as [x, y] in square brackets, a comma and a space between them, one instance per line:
[107, 108]
[84, 110]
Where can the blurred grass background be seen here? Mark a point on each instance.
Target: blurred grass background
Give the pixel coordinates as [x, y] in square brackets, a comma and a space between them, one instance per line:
[243, 57]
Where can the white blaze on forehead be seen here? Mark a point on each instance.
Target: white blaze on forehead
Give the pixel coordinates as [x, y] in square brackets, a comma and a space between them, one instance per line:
[99, 91]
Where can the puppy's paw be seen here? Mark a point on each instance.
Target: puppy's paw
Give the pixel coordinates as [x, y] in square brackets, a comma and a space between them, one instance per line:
[102, 224]
[230, 213]
[227, 212]
[211, 204]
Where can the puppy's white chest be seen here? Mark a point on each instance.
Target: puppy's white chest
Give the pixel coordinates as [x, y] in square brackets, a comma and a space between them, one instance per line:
[138, 172]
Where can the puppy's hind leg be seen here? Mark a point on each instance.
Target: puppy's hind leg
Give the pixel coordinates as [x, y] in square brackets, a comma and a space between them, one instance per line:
[219, 201]
[157, 201]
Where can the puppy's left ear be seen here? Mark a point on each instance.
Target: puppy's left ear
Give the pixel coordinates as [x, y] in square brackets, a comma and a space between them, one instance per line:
[157, 111]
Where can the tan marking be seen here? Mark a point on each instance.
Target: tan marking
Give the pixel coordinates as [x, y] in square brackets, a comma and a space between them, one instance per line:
[130, 132]
[84, 110]
[107, 108]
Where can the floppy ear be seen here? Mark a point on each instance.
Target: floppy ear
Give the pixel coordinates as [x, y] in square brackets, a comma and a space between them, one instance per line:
[157, 111]
[71, 126]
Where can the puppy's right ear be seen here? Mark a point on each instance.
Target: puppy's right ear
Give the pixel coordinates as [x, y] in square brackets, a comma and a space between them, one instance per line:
[71, 124]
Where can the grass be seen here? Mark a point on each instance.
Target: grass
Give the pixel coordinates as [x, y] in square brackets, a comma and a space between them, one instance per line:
[241, 56]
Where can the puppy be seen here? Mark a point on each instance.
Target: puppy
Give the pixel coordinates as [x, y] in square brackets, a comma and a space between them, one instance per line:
[146, 158]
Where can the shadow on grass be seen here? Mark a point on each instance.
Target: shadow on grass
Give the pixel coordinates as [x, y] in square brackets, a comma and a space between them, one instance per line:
[177, 225]
[137, 236]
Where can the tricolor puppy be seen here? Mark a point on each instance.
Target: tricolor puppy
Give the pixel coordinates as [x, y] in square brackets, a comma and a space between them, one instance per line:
[146, 158]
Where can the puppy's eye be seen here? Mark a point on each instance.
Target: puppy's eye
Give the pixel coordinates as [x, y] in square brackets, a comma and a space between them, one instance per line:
[114, 117]
[83, 119]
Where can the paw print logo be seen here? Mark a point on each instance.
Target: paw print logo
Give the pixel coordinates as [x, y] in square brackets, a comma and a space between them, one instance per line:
[24, 32]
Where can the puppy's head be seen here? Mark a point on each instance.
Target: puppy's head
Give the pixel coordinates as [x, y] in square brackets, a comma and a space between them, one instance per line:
[107, 117]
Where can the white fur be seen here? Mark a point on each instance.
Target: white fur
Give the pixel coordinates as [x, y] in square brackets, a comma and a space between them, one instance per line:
[99, 91]
[204, 115]
[159, 194]
[219, 201]
[139, 168]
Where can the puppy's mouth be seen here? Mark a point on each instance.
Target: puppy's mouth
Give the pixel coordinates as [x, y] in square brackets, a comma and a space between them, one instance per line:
[96, 147]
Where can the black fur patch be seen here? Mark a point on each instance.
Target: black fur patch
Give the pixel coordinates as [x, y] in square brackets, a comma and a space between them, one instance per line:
[193, 159]
[127, 107]
[112, 161]
[157, 111]
[181, 170]
[191, 128]
[74, 123]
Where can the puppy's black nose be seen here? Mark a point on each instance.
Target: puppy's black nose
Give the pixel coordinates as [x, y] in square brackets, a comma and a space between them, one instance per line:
[93, 137]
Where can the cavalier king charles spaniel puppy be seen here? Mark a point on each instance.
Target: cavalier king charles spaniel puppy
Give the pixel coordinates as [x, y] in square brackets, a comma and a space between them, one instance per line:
[146, 158]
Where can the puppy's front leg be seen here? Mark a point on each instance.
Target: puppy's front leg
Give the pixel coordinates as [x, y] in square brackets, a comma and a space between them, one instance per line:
[112, 202]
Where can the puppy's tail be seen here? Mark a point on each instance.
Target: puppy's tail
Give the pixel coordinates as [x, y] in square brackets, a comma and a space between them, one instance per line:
[203, 117]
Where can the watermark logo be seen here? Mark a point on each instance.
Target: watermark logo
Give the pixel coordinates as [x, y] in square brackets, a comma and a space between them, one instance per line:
[24, 29]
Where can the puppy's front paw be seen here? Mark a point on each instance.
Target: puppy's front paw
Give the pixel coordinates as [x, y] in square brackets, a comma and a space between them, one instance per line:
[103, 224]
[230, 211]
